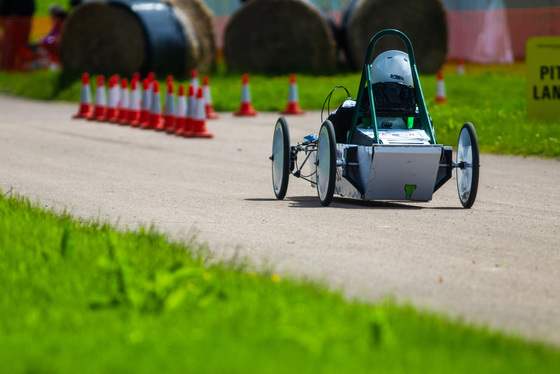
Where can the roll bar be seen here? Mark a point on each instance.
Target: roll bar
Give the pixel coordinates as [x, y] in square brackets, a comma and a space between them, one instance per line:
[366, 84]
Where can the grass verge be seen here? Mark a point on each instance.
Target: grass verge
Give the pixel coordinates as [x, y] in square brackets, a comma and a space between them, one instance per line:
[81, 296]
[491, 97]
[42, 6]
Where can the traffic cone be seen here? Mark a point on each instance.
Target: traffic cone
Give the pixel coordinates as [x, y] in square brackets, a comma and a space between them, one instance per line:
[100, 101]
[210, 114]
[191, 102]
[194, 80]
[180, 113]
[151, 78]
[156, 121]
[199, 119]
[134, 103]
[85, 99]
[440, 89]
[117, 89]
[112, 102]
[461, 67]
[145, 105]
[246, 108]
[293, 100]
[169, 108]
[124, 102]
[168, 81]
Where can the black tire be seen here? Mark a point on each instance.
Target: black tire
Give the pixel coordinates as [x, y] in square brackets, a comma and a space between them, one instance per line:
[326, 163]
[280, 158]
[468, 160]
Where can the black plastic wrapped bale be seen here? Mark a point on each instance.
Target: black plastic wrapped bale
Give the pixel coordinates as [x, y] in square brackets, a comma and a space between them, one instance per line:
[279, 36]
[123, 37]
[423, 21]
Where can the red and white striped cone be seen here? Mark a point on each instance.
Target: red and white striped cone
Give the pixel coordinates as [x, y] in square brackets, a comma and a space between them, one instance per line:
[118, 90]
[100, 101]
[156, 120]
[168, 81]
[151, 78]
[169, 108]
[246, 108]
[191, 107]
[85, 99]
[194, 80]
[112, 102]
[124, 102]
[180, 113]
[145, 104]
[210, 114]
[440, 89]
[199, 119]
[134, 103]
[293, 98]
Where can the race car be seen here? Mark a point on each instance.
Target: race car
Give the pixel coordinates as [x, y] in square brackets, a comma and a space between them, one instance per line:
[381, 145]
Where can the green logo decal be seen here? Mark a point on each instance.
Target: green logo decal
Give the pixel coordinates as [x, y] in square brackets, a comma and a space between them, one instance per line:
[409, 189]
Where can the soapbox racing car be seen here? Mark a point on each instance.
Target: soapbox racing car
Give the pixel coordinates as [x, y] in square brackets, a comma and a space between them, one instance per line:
[381, 146]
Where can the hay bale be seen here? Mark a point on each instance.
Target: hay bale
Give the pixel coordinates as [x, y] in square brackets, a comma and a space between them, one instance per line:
[197, 20]
[423, 21]
[125, 36]
[102, 39]
[279, 36]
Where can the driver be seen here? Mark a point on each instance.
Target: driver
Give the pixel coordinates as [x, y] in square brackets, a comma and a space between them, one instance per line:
[389, 71]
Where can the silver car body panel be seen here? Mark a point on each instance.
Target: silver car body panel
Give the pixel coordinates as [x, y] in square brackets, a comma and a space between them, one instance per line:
[404, 168]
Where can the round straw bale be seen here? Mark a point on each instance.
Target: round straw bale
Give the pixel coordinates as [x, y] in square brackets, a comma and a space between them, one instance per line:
[423, 21]
[279, 36]
[193, 51]
[102, 39]
[198, 25]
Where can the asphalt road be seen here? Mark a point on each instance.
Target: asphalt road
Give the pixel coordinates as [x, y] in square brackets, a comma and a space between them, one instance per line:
[497, 264]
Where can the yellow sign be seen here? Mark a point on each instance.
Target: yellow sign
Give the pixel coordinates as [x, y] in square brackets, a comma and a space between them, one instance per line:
[543, 78]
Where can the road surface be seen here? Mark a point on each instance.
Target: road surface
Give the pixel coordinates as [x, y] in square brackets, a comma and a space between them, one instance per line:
[497, 264]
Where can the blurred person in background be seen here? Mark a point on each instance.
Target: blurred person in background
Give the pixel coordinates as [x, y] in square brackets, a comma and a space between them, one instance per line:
[15, 21]
[47, 46]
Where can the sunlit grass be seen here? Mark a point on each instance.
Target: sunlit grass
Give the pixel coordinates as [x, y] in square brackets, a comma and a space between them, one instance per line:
[81, 297]
[42, 6]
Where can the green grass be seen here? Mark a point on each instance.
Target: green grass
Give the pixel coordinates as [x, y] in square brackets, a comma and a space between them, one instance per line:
[491, 97]
[81, 297]
[42, 6]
